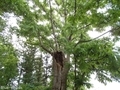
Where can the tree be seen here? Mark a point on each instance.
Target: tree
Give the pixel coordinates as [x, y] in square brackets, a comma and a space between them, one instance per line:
[60, 29]
[8, 59]
[8, 63]
[34, 74]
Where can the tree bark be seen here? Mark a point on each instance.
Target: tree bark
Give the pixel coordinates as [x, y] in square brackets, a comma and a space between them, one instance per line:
[60, 74]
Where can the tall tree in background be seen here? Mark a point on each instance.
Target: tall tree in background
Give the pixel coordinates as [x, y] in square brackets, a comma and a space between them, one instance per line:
[8, 59]
[60, 28]
[8, 64]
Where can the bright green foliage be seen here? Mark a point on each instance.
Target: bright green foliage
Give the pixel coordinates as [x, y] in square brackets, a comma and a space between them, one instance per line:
[2, 24]
[99, 57]
[19, 7]
[8, 64]
[51, 25]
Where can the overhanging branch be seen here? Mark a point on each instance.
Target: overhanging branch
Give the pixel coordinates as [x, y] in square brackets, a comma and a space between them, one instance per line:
[84, 41]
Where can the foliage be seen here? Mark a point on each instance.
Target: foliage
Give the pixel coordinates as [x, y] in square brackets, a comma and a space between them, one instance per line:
[96, 59]
[50, 25]
[8, 64]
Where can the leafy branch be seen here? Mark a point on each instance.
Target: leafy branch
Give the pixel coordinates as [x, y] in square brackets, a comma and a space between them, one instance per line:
[41, 45]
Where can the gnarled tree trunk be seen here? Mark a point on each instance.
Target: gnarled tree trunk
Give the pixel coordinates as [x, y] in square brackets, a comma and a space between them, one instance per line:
[60, 74]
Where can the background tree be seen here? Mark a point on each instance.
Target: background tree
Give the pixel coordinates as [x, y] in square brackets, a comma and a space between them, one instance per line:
[8, 60]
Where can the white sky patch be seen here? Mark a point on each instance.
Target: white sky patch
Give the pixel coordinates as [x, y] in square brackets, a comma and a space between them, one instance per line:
[30, 3]
[89, 12]
[12, 21]
[117, 44]
[105, 9]
[102, 10]
[43, 22]
[18, 42]
[94, 33]
[99, 86]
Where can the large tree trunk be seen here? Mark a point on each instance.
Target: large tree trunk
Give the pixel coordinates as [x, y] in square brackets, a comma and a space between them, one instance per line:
[60, 74]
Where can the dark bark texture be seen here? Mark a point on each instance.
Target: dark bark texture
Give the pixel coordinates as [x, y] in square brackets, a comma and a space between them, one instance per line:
[60, 71]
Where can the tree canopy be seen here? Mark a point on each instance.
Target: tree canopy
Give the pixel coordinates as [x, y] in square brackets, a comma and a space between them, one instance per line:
[49, 26]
